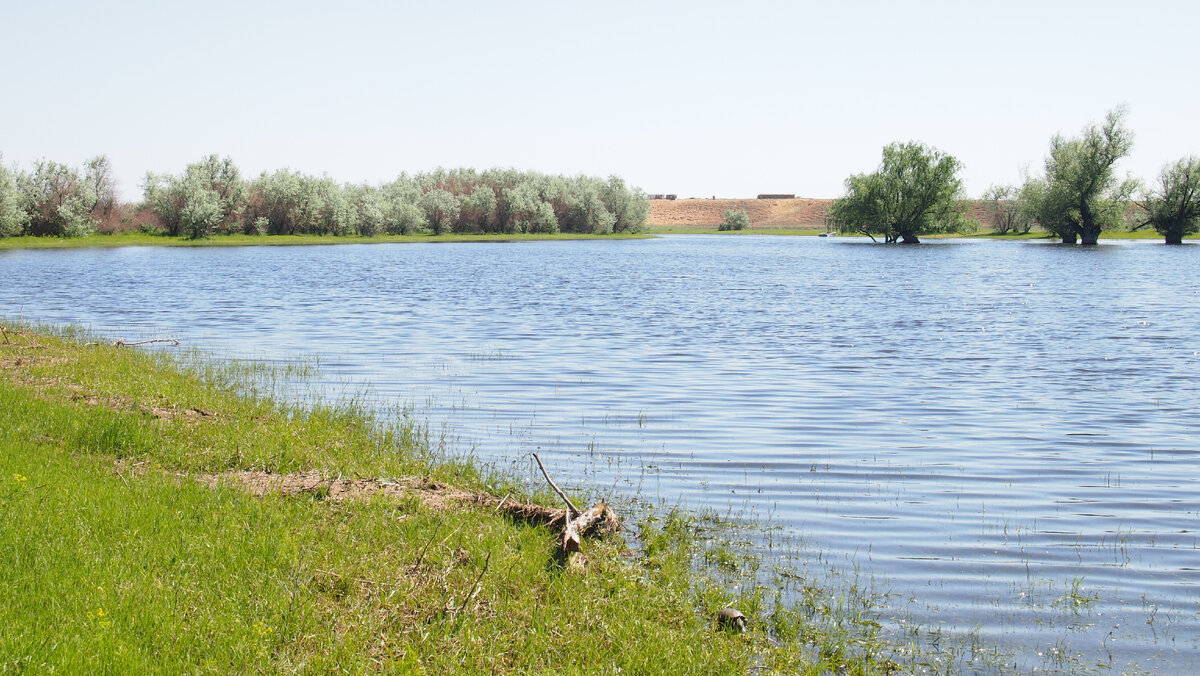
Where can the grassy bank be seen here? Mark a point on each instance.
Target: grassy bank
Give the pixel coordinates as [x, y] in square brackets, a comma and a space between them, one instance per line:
[135, 238]
[117, 559]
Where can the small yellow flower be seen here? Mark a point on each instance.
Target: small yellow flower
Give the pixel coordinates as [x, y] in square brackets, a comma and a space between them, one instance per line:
[262, 629]
[100, 613]
[19, 477]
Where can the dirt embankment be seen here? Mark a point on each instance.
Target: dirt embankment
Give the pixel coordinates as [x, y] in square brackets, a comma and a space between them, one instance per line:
[774, 213]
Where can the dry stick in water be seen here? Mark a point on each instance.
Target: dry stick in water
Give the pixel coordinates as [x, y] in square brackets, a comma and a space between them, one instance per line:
[570, 505]
[122, 343]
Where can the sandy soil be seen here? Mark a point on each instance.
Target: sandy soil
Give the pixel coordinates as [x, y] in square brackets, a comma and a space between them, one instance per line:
[786, 213]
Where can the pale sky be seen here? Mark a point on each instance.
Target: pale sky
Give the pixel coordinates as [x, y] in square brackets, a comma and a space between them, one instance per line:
[699, 99]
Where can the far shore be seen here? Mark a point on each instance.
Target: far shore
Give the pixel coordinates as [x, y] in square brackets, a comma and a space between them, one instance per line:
[806, 216]
[136, 238]
[983, 233]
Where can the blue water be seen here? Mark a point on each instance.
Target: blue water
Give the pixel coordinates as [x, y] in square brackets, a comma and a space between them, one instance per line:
[978, 424]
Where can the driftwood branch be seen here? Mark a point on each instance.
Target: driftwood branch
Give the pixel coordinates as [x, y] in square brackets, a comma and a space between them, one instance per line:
[599, 516]
[122, 343]
[578, 523]
[570, 505]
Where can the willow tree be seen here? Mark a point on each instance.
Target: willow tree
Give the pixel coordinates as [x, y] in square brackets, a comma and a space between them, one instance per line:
[99, 177]
[916, 191]
[56, 200]
[1080, 195]
[208, 198]
[1007, 210]
[12, 215]
[1173, 207]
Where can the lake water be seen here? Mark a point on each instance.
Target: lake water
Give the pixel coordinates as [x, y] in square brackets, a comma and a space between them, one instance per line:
[978, 425]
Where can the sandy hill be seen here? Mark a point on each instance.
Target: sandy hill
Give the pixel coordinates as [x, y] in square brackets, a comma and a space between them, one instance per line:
[782, 213]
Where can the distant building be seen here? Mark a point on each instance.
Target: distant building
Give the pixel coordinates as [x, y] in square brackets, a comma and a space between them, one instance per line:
[776, 196]
[660, 196]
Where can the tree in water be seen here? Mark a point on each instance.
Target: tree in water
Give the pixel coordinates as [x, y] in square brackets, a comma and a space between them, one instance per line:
[1080, 195]
[1173, 208]
[916, 191]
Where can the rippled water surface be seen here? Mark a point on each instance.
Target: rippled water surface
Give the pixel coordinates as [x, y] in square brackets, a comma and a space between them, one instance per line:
[980, 424]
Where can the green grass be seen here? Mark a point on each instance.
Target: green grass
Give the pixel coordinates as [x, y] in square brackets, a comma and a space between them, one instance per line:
[135, 238]
[116, 561]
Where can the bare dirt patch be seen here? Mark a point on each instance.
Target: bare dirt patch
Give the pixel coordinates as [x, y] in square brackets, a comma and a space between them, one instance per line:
[781, 213]
[434, 494]
[801, 212]
[572, 525]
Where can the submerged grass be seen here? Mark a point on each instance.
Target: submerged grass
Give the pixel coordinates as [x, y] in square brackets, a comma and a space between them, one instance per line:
[116, 560]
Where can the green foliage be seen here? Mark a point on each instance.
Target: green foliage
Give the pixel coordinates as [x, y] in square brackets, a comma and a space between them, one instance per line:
[368, 207]
[1173, 208]
[735, 220]
[528, 209]
[1008, 211]
[628, 205]
[208, 198]
[915, 191]
[441, 209]
[586, 207]
[99, 177]
[56, 200]
[1080, 195]
[406, 218]
[478, 212]
[277, 198]
[201, 213]
[12, 213]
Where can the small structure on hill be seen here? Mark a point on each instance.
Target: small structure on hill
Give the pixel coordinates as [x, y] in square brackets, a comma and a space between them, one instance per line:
[660, 196]
[777, 196]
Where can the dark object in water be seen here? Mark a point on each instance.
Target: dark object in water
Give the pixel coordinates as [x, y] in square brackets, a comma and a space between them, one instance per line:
[731, 619]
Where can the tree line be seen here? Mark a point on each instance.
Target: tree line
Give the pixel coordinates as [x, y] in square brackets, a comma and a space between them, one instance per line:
[55, 199]
[210, 197]
[916, 191]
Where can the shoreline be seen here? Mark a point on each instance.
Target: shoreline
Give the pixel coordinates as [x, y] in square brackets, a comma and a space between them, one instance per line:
[131, 239]
[178, 568]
